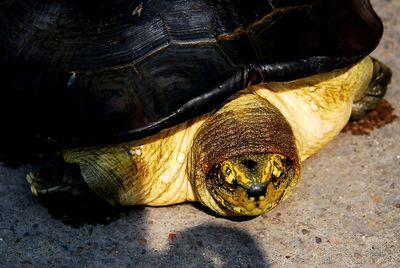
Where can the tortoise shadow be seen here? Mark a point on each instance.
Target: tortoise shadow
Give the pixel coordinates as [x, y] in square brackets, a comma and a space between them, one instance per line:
[215, 245]
[87, 208]
[212, 213]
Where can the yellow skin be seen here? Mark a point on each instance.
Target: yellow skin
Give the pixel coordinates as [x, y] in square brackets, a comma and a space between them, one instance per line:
[268, 175]
[155, 171]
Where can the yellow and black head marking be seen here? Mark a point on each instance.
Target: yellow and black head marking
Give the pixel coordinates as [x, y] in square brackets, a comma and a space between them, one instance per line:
[250, 184]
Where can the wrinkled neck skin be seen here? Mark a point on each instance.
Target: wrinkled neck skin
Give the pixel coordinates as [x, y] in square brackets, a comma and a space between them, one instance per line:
[295, 119]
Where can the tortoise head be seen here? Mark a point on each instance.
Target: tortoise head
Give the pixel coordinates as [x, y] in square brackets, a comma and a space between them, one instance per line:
[251, 184]
[244, 159]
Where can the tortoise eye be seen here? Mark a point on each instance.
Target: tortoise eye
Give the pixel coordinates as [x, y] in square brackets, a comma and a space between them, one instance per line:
[277, 169]
[277, 181]
[277, 174]
[229, 175]
[228, 171]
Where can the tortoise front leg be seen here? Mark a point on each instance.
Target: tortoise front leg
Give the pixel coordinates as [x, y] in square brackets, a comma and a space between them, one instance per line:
[61, 189]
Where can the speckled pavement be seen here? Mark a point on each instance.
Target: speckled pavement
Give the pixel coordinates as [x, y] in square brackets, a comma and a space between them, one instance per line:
[344, 212]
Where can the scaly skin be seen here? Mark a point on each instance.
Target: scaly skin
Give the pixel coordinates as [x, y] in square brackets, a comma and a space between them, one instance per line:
[164, 169]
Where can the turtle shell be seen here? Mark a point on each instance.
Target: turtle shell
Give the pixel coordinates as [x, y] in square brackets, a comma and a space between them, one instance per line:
[105, 71]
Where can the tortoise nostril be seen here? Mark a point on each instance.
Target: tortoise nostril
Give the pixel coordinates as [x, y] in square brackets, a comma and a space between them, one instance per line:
[250, 164]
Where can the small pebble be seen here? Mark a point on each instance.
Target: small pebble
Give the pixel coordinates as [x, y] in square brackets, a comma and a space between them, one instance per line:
[305, 231]
[358, 256]
[379, 260]
[397, 205]
[318, 240]
[377, 199]
[171, 236]
[143, 242]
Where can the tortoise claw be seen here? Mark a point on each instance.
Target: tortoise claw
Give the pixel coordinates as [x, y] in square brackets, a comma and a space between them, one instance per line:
[375, 92]
[37, 190]
[45, 183]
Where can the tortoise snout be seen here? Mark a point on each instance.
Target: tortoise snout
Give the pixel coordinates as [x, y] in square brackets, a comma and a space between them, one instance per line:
[256, 190]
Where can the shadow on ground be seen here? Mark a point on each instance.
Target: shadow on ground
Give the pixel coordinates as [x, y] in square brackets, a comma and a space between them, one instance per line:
[216, 245]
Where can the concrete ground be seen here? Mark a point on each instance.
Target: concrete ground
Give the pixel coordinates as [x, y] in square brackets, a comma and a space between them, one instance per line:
[344, 212]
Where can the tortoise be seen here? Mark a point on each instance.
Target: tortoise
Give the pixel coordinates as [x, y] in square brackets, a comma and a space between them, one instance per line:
[159, 102]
